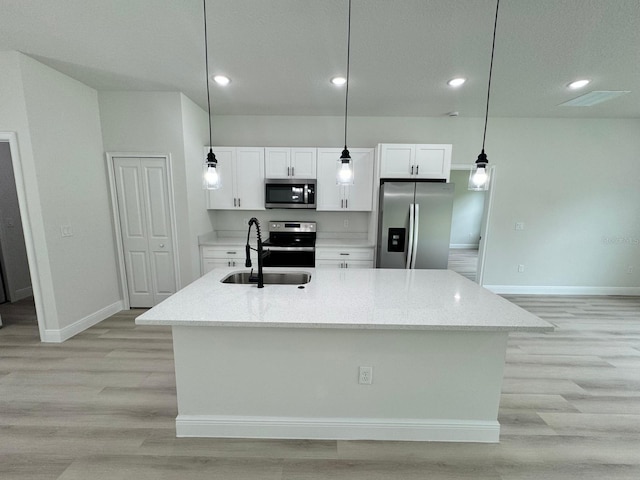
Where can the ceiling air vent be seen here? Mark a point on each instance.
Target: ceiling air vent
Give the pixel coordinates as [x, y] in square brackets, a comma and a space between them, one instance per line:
[593, 98]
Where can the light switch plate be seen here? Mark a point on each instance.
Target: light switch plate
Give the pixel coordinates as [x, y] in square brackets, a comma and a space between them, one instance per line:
[66, 230]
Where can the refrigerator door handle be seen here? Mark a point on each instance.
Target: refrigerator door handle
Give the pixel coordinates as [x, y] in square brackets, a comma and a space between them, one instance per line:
[410, 248]
[416, 232]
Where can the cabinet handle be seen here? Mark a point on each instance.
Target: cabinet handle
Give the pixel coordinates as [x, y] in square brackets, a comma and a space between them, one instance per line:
[162, 245]
[231, 253]
[342, 203]
[346, 265]
[411, 169]
[288, 171]
[344, 254]
[417, 169]
[293, 171]
[346, 203]
[228, 264]
[234, 202]
[238, 203]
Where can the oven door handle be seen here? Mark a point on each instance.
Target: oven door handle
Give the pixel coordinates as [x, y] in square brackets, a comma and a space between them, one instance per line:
[288, 249]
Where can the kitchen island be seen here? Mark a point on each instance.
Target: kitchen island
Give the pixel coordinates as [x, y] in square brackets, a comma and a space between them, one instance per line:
[285, 361]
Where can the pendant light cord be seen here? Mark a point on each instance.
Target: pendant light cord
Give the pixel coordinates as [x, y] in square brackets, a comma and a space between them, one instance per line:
[493, 46]
[346, 101]
[206, 62]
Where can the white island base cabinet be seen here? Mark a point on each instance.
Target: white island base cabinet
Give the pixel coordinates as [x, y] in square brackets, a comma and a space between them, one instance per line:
[283, 361]
[297, 383]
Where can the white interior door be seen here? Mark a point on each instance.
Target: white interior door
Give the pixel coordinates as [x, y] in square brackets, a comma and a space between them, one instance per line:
[145, 226]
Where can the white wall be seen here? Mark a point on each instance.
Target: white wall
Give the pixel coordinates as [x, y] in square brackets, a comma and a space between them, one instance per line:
[152, 122]
[58, 152]
[467, 212]
[13, 252]
[64, 125]
[574, 183]
[195, 133]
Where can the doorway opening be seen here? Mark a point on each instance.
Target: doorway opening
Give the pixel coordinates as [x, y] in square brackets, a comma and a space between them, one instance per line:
[469, 224]
[17, 303]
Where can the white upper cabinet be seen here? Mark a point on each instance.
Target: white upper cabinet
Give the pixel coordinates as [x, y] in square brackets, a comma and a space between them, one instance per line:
[418, 161]
[242, 179]
[333, 197]
[285, 162]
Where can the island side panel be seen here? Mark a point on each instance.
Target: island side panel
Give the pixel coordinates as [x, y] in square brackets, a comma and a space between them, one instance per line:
[303, 383]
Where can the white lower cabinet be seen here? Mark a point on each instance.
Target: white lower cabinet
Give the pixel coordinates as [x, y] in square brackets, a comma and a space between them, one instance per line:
[224, 256]
[350, 257]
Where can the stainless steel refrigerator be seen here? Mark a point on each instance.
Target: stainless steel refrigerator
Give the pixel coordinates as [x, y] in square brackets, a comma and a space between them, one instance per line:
[414, 224]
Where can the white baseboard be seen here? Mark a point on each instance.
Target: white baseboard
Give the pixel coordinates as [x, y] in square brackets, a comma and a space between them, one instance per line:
[59, 336]
[455, 246]
[22, 293]
[561, 290]
[224, 426]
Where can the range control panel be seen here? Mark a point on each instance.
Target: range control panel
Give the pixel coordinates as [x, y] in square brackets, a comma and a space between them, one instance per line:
[293, 227]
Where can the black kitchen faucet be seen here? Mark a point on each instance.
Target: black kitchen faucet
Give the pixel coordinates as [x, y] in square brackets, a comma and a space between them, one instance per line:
[261, 253]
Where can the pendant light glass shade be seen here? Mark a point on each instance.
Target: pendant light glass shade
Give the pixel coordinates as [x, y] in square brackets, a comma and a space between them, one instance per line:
[211, 179]
[479, 177]
[210, 174]
[344, 174]
[345, 169]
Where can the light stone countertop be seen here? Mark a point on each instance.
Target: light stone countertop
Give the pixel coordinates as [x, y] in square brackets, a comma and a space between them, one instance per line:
[346, 298]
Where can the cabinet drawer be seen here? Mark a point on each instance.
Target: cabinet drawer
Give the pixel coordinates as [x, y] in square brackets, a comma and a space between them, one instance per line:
[224, 252]
[344, 254]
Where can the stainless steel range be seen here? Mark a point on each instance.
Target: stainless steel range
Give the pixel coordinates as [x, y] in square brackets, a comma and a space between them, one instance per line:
[291, 244]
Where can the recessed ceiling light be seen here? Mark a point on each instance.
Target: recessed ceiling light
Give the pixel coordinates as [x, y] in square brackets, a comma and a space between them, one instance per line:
[578, 84]
[339, 81]
[456, 82]
[221, 80]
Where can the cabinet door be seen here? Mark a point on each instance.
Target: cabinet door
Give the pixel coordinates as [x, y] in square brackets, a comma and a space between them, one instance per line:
[303, 163]
[433, 161]
[329, 195]
[329, 263]
[209, 264]
[250, 178]
[277, 162]
[359, 196]
[358, 264]
[222, 198]
[396, 160]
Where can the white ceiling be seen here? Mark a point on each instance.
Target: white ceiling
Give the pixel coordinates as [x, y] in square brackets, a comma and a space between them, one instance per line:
[280, 54]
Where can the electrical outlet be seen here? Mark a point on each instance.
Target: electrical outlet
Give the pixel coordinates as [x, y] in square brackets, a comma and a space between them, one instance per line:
[520, 268]
[365, 375]
[346, 223]
[66, 231]
[519, 225]
[630, 269]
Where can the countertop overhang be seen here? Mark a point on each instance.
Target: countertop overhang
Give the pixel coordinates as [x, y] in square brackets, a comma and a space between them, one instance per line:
[346, 298]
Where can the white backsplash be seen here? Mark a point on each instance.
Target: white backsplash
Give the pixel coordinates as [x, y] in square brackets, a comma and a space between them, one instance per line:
[232, 223]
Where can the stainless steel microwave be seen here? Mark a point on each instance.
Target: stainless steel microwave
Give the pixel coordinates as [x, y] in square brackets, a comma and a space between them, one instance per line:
[290, 193]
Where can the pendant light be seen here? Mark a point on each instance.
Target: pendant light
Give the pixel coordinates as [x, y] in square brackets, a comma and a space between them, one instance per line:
[210, 177]
[479, 178]
[345, 165]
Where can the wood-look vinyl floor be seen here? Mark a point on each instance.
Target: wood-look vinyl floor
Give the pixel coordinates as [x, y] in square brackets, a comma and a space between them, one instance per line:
[464, 261]
[102, 406]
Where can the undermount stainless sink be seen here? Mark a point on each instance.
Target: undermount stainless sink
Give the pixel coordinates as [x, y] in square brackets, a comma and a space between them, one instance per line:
[270, 278]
